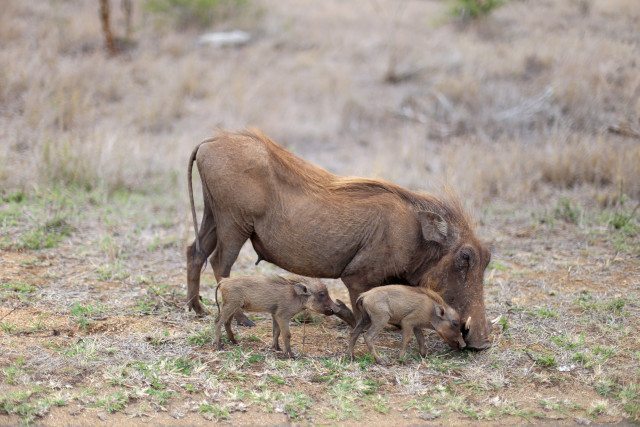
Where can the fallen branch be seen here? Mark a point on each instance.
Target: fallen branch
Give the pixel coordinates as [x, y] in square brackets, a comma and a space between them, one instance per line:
[11, 311]
[624, 129]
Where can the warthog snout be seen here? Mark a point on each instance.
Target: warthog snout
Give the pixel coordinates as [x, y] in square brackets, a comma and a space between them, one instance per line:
[474, 335]
[473, 343]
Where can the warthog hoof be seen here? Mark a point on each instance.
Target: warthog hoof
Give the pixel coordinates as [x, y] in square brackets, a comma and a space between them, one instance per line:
[382, 361]
[243, 320]
[198, 308]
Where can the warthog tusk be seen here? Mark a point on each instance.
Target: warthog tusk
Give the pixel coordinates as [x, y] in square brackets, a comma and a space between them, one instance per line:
[467, 324]
[496, 320]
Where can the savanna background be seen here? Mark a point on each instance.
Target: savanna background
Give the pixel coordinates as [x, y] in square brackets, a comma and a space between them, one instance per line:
[530, 110]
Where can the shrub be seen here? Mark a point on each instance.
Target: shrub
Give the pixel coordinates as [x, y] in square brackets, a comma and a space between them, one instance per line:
[566, 211]
[472, 9]
[196, 13]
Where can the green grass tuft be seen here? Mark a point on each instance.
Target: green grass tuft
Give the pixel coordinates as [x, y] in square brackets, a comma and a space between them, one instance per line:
[473, 9]
[114, 402]
[46, 236]
[546, 360]
[568, 342]
[195, 13]
[215, 411]
[203, 337]
[83, 314]
[546, 313]
[566, 211]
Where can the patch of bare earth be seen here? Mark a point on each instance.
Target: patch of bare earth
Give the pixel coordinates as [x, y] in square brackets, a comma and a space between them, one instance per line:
[83, 342]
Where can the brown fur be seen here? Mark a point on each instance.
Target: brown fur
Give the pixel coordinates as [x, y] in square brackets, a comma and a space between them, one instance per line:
[410, 308]
[283, 297]
[311, 222]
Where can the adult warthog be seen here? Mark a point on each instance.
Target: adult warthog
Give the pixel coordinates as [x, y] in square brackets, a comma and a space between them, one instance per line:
[313, 223]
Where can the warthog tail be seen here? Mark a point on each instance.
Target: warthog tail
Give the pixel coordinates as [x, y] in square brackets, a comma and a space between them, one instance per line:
[190, 184]
[217, 304]
[365, 319]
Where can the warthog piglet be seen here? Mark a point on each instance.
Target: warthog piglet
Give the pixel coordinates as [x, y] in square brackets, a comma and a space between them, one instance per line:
[410, 307]
[283, 297]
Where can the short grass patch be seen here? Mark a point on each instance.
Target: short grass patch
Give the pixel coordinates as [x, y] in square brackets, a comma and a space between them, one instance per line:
[114, 271]
[629, 396]
[12, 372]
[473, 9]
[202, 337]
[84, 314]
[213, 411]
[114, 402]
[543, 359]
[46, 236]
[29, 404]
[568, 341]
[566, 210]
[545, 313]
[16, 290]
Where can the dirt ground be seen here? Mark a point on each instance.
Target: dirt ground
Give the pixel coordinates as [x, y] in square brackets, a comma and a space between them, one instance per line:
[95, 330]
[531, 114]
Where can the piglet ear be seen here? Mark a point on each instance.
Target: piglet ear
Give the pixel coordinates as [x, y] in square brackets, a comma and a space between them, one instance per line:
[301, 289]
[439, 311]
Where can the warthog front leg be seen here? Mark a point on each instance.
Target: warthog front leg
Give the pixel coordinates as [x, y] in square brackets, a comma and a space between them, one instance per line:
[356, 332]
[276, 334]
[230, 242]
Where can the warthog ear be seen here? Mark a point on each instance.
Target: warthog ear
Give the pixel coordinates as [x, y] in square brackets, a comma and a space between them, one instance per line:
[434, 227]
[301, 289]
[439, 311]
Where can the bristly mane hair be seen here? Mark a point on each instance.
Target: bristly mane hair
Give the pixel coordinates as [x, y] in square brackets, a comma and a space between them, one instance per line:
[293, 169]
[299, 172]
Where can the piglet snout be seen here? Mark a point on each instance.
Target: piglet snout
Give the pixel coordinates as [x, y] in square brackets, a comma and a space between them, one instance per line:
[332, 309]
[461, 343]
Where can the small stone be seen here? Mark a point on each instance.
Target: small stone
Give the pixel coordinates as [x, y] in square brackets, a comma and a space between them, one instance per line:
[102, 416]
[225, 38]
[428, 416]
[77, 411]
[177, 414]
[582, 421]
[238, 407]
[495, 401]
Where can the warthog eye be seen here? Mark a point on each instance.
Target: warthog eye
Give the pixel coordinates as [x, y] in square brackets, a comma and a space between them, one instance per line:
[464, 259]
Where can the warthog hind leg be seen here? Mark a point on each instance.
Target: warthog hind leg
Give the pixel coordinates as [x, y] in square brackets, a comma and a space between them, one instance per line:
[195, 260]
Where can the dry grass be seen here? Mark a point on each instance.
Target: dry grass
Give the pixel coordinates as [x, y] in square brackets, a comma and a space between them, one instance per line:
[515, 111]
[94, 325]
[489, 95]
